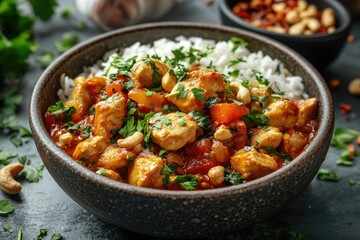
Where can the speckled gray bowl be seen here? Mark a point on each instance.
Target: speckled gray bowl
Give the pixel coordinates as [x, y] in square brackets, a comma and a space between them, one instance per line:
[178, 214]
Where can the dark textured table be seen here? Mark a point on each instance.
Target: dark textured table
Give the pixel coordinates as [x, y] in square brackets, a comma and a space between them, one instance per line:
[326, 210]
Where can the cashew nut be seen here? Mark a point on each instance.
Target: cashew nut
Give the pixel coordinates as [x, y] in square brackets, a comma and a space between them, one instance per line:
[222, 133]
[293, 16]
[216, 175]
[279, 7]
[276, 29]
[313, 24]
[354, 87]
[297, 28]
[328, 17]
[242, 93]
[131, 141]
[168, 82]
[7, 182]
[311, 11]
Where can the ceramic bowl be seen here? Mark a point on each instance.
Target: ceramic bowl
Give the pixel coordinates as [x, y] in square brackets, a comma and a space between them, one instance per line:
[178, 214]
[320, 49]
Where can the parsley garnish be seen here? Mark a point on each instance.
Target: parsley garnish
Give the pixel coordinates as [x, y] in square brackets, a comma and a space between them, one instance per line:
[255, 118]
[149, 93]
[162, 152]
[102, 171]
[211, 101]
[5, 157]
[32, 174]
[67, 41]
[167, 171]
[286, 156]
[344, 159]
[260, 78]
[156, 75]
[123, 66]
[56, 236]
[182, 122]
[143, 126]
[128, 84]
[343, 136]
[180, 92]
[233, 178]
[61, 111]
[86, 132]
[245, 84]
[179, 71]
[71, 126]
[236, 61]
[188, 181]
[42, 234]
[238, 42]
[328, 175]
[129, 128]
[198, 93]
[45, 59]
[8, 229]
[5, 208]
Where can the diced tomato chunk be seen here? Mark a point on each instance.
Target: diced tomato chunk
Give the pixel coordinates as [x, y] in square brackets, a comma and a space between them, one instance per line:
[200, 158]
[114, 87]
[225, 113]
[50, 121]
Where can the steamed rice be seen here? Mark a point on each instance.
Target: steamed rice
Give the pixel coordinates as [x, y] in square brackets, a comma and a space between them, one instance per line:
[220, 56]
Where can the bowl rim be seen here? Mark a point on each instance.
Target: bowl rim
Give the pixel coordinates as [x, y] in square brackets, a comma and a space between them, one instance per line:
[337, 6]
[39, 130]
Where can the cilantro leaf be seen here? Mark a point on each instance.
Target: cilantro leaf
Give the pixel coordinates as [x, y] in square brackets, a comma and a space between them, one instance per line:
[343, 136]
[198, 93]
[123, 66]
[156, 75]
[328, 175]
[5, 208]
[32, 174]
[187, 181]
[5, 157]
[344, 158]
[238, 43]
[67, 41]
[43, 9]
[255, 118]
[8, 229]
[211, 101]
[45, 59]
[42, 234]
[61, 111]
[286, 156]
[129, 128]
[56, 236]
[232, 178]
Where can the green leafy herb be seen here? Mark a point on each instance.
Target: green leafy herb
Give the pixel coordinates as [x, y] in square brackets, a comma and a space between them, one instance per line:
[71, 126]
[45, 59]
[86, 132]
[66, 12]
[182, 122]
[20, 234]
[43, 9]
[198, 93]
[201, 119]
[343, 136]
[32, 174]
[344, 159]
[179, 71]
[238, 43]
[286, 156]
[24, 160]
[80, 25]
[188, 181]
[5, 157]
[156, 75]
[298, 236]
[245, 84]
[255, 118]
[234, 73]
[42, 234]
[8, 229]
[232, 178]
[5, 208]
[102, 171]
[260, 78]
[236, 61]
[123, 66]
[167, 171]
[67, 41]
[61, 111]
[129, 128]
[211, 101]
[328, 175]
[149, 93]
[143, 126]
[162, 152]
[56, 236]
[353, 182]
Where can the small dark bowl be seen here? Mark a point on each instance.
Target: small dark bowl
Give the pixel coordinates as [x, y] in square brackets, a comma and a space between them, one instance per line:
[320, 49]
[178, 214]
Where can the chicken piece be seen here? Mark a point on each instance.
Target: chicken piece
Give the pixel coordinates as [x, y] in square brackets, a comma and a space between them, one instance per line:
[307, 110]
[261, 92]
[109, 115]
[81, 98]
[95, 85]
[252, 164]
[145, 171]
[109, 174]
[173, 131]
[113, 158]
[282, 114]
[90, 149]
[149, 72]
[294, 142]
[266, 137]
[206, 82]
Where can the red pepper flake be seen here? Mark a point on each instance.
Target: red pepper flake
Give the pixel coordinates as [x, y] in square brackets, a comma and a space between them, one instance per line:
[334, 83]
[345, 108]
[351, 149]
[350, 38]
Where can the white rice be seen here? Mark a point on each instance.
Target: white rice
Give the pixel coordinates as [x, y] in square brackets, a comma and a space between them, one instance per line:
[220, 58]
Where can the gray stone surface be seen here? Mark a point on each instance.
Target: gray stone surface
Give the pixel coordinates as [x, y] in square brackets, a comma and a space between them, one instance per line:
[326, 210]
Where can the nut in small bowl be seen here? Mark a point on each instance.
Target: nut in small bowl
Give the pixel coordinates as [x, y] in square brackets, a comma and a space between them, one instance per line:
[315, 29]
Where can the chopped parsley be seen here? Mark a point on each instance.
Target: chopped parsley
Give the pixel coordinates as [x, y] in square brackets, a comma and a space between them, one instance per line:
[179, 71]
[262, 80]
[255, 118]
[67, 41]
[123, 66]
[156, 75]
[143, 126]
[128, 84]
[162, 152]
[71, 126]
[211, 101]
[129, 128]
[236, 61]
[343, 136]
[8, 229]
[167, 171]
[238, 43]
[149, 93]
[32, 174]
[344, 158]
[5, 157]
[182, 122]
[102, 171]
[5, 208]
[328, 175]
[245, 84]
[180, 92]
[232, 177]
[286, 156]
[187, 181]
[198, 93]
[86, 131]
[201, 119]
[42, 234]
[61, 111]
